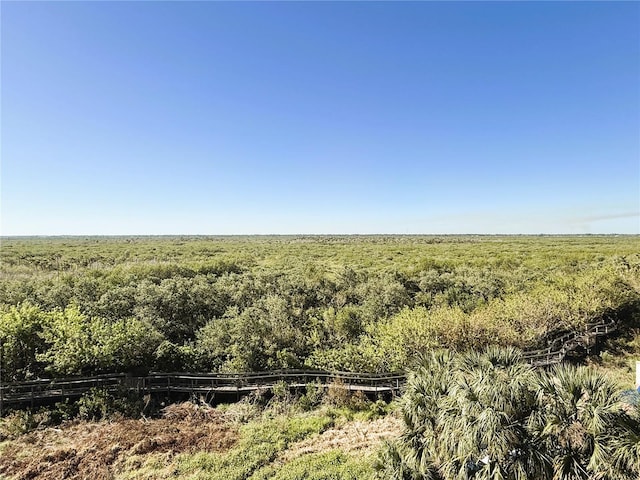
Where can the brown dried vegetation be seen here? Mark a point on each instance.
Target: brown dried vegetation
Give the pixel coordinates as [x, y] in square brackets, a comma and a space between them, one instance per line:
[99, 450]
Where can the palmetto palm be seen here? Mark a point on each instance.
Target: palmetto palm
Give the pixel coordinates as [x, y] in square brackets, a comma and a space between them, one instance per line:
[480, 421]
[465, 417]
[411, 458]
[490, 416]
[584, 427]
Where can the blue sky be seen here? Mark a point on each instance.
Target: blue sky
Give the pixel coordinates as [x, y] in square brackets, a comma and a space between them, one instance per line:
[328, 117]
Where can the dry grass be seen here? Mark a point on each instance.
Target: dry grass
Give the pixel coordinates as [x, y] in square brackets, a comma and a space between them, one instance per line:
[154, 449]
[98, 451]
[361, 437]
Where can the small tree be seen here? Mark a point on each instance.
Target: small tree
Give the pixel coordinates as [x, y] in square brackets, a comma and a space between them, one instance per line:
[20, 341]
[81, 344]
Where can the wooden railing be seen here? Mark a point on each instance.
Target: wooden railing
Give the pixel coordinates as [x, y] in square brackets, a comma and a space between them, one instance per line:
[44, 390]
[559, 346]
[194, 383]
[224, 382]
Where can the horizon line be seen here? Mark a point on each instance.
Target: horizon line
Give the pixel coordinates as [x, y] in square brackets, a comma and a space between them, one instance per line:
[469, 234]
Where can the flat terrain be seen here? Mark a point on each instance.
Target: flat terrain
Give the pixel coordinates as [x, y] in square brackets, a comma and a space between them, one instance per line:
[76, 305]
[96, 305]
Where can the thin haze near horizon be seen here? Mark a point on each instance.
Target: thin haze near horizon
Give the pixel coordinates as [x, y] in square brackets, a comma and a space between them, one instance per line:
[328, 117]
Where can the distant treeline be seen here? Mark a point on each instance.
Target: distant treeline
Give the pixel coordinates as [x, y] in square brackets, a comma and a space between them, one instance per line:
[71, 305]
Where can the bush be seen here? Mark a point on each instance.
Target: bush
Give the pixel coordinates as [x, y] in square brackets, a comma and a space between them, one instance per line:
[99, 404]
[20, 422]
[313, 396]
[491, 416]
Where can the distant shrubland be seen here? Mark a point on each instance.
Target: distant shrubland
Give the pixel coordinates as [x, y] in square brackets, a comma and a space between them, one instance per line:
[71, 305]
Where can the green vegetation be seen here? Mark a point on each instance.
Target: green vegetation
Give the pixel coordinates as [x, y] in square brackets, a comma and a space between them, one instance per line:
[475, 415]
[259, 444]
[322, 466]
[97, 305]
[491, 416]
[618, 357]
[253, 439]
[368, 303]
[265, 441]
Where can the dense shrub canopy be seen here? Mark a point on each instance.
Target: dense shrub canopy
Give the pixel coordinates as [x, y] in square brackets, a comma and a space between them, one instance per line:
[88, 305]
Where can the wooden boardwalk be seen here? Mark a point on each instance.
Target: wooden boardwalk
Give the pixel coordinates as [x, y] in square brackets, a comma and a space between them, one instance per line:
[559, 346]
[230, 385]
[207, 384]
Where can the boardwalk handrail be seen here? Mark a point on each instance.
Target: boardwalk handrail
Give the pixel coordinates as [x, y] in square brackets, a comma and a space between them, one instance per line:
[165, 382]
[558, 346]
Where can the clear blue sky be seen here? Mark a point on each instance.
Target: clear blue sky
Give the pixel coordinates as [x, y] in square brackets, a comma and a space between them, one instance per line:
[331, 117]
